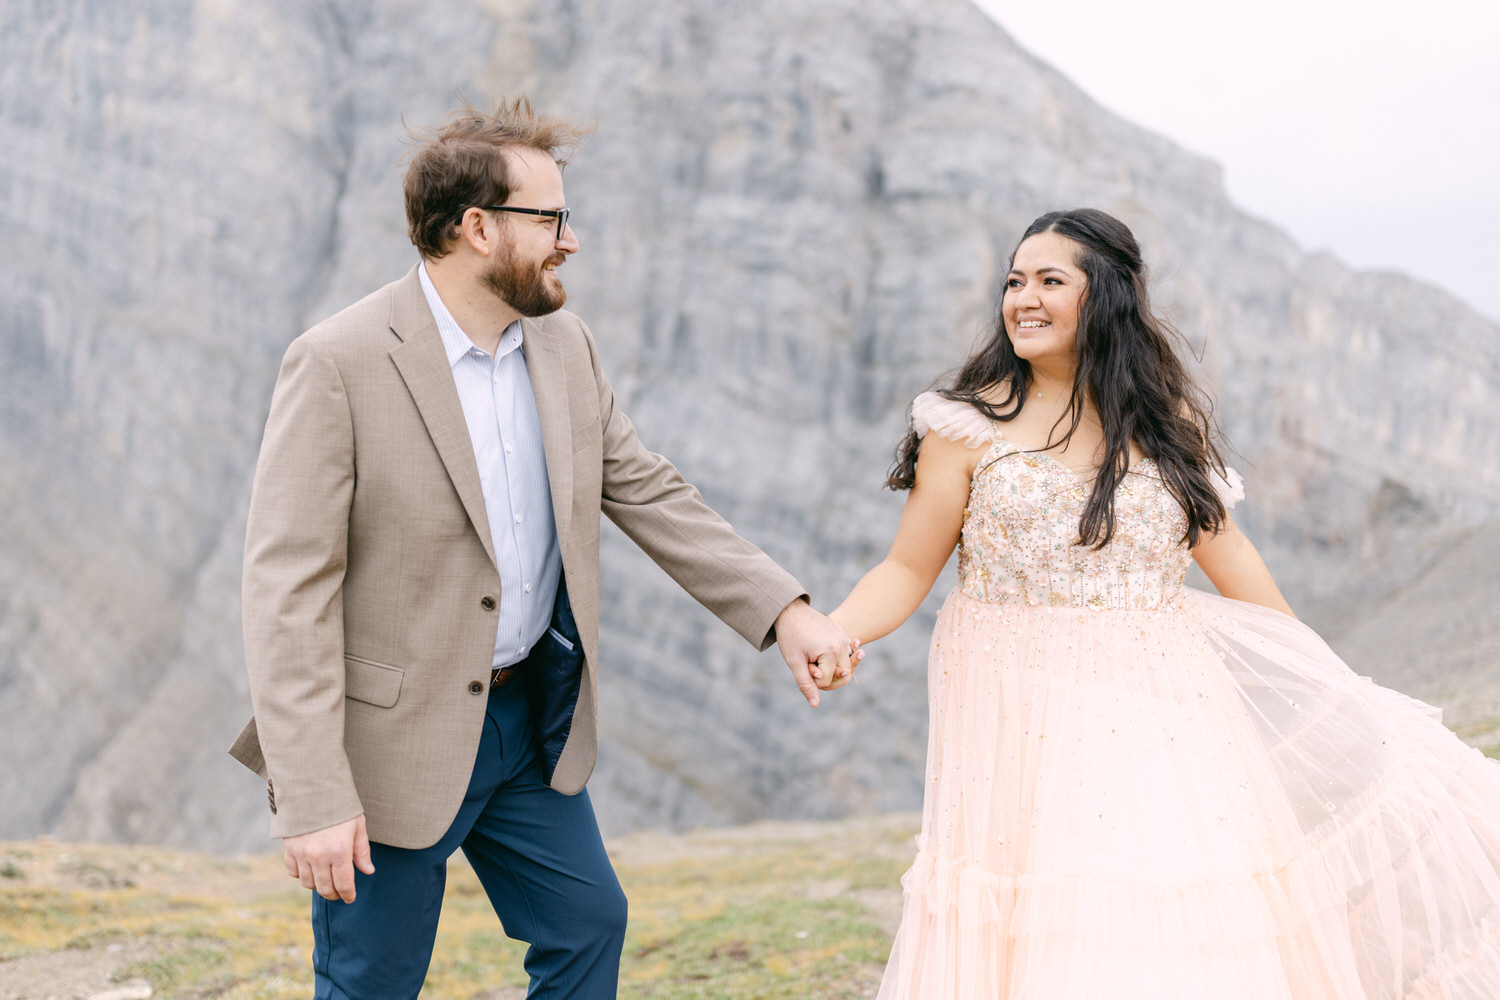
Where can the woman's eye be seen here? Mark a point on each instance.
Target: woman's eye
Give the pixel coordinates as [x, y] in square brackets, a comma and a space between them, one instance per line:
[1013, 283]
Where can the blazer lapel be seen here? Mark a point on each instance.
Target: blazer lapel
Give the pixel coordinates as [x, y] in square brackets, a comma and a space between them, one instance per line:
[544, 363]
[423, 364]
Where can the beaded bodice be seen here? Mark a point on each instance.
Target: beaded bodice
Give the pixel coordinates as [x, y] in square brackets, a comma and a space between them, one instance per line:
[1021, 526]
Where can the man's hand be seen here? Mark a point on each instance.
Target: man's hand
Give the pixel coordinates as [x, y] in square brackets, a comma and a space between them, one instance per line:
[819, 652]
[325, 860]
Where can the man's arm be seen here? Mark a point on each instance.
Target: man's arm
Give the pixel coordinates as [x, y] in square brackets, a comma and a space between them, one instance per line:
[296, 548]
[648, 499]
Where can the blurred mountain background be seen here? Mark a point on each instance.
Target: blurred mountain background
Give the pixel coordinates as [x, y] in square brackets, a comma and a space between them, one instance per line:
[793, 217]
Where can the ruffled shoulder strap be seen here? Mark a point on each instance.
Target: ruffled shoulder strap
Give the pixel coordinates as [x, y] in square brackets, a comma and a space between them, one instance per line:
[953, 420]
[1229, 486]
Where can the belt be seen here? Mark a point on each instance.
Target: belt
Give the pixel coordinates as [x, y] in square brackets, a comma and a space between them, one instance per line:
[502, 676]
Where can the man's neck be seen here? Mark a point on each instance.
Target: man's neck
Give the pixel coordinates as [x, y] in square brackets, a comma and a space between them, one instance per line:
[481, 314]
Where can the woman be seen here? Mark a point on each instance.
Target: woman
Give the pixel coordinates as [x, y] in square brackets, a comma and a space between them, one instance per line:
[1136, 790]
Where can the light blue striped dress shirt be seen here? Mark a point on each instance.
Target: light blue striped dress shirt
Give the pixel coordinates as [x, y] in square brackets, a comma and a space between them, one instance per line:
[506, 433]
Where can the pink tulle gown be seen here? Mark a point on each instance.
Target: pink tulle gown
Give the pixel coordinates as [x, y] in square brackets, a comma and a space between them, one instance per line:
[1138, 790]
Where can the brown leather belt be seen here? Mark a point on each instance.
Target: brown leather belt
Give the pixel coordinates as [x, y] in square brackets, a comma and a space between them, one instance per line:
[503, 676]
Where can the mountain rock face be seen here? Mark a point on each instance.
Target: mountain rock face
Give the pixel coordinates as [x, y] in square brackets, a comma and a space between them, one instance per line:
[793, 217]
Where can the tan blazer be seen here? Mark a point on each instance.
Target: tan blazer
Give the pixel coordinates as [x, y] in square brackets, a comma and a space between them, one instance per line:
[370, 584]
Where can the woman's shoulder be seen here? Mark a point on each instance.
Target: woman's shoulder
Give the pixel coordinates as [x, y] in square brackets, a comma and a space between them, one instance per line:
[952, 419]
[1230, 486]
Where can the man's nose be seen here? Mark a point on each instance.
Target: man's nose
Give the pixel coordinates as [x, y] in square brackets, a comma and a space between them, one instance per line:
[567, 242]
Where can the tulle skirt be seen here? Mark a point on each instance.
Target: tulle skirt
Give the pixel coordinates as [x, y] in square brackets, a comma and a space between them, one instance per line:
[1196, 802]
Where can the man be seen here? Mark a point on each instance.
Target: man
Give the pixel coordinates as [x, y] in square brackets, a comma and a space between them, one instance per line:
[421, 590]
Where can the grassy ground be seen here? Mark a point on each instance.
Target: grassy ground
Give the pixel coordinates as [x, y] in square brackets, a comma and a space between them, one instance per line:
[1482, 733]
[772, 911]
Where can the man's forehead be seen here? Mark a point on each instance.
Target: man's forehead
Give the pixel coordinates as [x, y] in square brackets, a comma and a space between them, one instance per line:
[532, 168]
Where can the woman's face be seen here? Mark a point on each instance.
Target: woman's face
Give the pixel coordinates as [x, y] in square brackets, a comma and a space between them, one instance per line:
[1043, 295]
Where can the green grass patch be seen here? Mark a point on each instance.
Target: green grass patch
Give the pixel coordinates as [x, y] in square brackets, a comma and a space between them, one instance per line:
[168, 973]
[767, 949]
[782, 916]
[1481, 733]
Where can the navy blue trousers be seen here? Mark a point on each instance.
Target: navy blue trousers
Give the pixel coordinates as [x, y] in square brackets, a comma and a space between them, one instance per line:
[538, 855]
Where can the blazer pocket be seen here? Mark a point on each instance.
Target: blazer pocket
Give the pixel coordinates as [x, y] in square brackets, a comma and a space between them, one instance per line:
[372, 683]
[589, 435]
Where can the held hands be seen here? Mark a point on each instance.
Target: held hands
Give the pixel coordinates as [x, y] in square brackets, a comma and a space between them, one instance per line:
[820, 654]
[325, 860]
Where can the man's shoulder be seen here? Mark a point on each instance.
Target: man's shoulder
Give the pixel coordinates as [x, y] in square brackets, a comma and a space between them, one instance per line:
[562, 323]
[566, 331]
[365, 324]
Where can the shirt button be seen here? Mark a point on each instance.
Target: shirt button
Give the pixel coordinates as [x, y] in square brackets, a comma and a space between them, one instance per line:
[509, 449]
[487, 603]
[476, 687]
[527, 588]
[518, 518]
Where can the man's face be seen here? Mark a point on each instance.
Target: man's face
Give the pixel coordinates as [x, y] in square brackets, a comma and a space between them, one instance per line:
[524, 270]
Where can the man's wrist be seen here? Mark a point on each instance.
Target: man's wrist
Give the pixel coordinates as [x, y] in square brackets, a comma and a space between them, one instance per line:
[794, 608]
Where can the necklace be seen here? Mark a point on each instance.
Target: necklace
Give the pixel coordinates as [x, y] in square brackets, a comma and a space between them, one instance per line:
[1051, 394]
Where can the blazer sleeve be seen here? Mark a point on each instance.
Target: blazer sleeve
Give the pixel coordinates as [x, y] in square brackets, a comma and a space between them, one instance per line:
[647, 498]
[296, 550]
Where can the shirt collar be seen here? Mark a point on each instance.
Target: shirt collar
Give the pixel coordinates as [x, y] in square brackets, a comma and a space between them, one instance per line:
[456, 343]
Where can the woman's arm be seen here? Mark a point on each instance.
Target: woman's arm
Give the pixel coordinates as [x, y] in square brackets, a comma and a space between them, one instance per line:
[1234, 567]
[930, 526]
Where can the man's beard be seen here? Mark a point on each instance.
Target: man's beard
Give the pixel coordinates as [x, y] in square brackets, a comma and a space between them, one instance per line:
[523, 287]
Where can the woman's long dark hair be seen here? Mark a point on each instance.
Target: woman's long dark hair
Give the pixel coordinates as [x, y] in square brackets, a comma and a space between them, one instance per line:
[1127, 367]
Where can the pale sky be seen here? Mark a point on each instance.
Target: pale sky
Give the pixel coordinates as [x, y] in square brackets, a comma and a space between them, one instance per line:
[1371, 129]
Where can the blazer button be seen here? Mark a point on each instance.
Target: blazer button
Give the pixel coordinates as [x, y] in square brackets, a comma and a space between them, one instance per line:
[487, 603]
[474, 686]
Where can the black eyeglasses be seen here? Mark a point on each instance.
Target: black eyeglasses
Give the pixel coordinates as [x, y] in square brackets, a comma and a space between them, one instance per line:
[560, 214]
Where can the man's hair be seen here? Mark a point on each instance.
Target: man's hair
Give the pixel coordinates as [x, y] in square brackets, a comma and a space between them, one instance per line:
[462, 163]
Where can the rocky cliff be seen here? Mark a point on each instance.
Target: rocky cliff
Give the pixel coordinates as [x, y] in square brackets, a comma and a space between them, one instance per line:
[793, 217]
